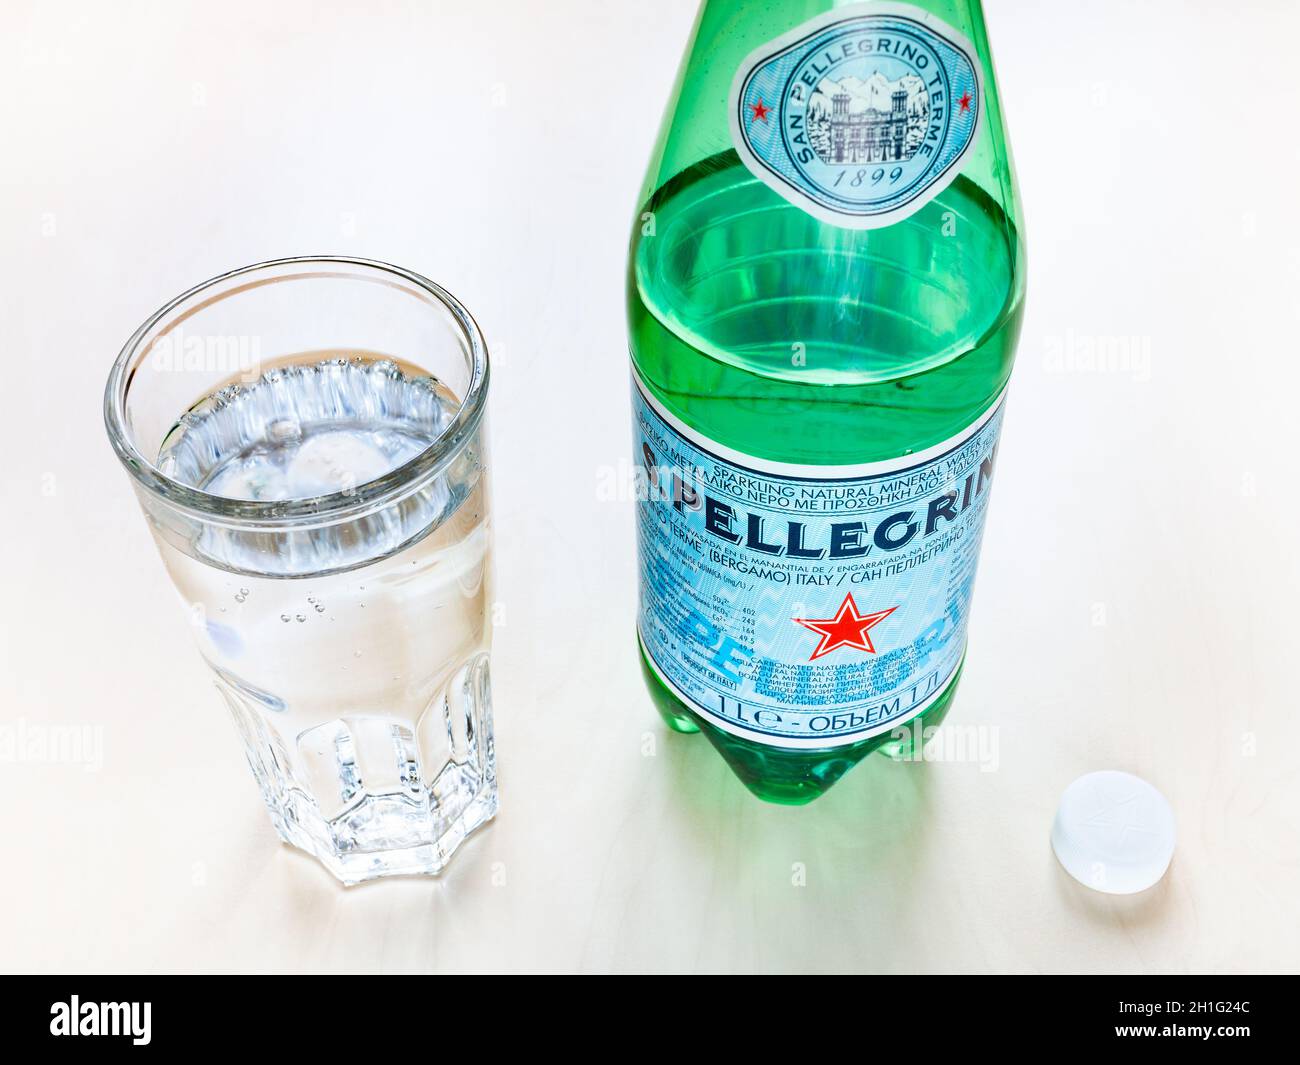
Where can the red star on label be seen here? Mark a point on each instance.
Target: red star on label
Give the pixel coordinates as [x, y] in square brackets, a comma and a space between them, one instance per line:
[964, 102]
[847, 628]
[760, 109]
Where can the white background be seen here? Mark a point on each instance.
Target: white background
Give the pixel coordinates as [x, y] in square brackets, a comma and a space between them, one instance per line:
[1136, 604]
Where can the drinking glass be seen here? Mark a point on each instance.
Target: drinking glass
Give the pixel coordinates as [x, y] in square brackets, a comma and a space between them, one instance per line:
[306, 439]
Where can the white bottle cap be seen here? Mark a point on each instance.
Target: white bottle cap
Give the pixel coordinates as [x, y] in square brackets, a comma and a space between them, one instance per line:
[1114, 832]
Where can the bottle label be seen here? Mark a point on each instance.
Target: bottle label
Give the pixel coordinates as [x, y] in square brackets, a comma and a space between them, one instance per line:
[859, 116]
[806, 606]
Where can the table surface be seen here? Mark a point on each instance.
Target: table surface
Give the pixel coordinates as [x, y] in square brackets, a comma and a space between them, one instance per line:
[1136, 600]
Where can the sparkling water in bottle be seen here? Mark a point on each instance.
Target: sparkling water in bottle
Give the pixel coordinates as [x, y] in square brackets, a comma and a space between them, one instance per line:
[825, 289]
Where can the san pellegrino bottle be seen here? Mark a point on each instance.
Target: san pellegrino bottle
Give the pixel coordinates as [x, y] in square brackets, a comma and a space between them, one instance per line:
[825, 289]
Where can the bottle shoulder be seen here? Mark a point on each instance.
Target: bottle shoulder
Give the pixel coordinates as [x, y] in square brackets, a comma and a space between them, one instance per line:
[750, 317]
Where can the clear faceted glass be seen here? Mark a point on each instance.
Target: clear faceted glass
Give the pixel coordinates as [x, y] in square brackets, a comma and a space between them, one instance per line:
[307, 442]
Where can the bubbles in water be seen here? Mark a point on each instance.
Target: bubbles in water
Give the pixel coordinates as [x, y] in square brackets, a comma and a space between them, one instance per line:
[304, 431]
[284, 617]
[301, 617]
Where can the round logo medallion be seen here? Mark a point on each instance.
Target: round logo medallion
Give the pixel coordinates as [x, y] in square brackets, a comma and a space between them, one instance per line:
[860, 116]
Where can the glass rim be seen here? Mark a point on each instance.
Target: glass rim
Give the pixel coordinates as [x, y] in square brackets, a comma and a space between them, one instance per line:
[347, 503]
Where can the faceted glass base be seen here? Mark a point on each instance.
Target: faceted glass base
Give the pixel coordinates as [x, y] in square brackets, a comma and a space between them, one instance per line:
[374, 795]
[421, 844]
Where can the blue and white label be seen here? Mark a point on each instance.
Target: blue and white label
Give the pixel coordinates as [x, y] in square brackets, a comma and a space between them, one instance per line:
[860, 116]
[806, 606]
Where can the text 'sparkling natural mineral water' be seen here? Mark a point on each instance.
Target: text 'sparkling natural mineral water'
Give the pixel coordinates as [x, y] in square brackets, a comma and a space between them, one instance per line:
[825, 289]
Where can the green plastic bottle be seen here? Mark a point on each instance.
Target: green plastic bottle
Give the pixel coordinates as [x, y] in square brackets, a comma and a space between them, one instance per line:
[825, 289]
